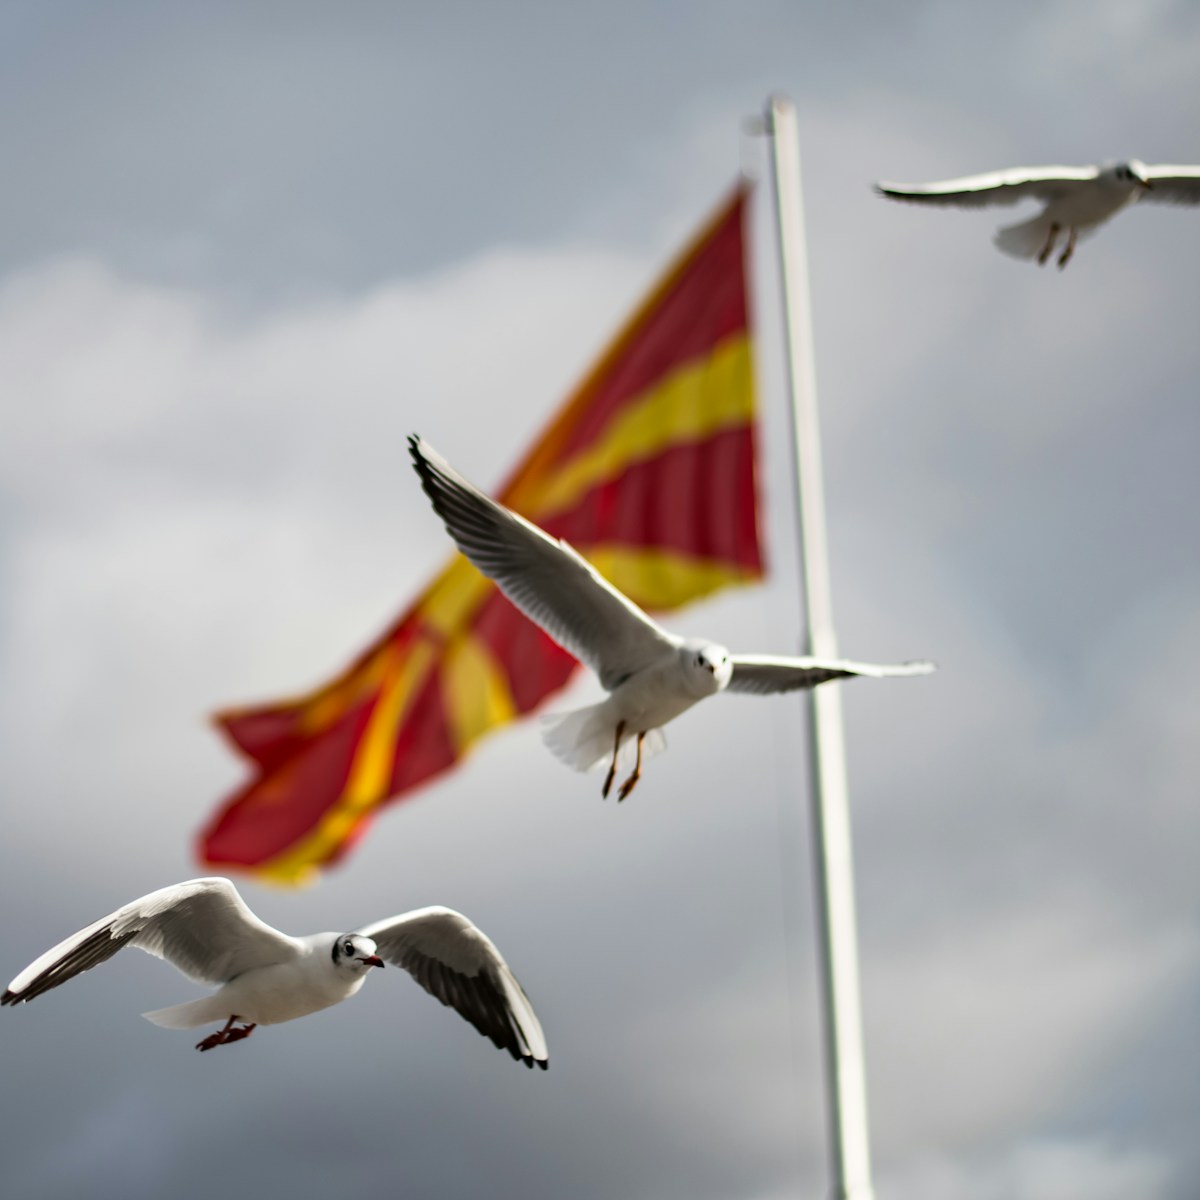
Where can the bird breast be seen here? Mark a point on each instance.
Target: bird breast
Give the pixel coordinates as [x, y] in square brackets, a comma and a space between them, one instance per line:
[1091, 205]
[285, 991]
[658, 694]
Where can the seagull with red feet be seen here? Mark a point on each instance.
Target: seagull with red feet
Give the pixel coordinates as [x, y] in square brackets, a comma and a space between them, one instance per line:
[651, 675]
[205, 929]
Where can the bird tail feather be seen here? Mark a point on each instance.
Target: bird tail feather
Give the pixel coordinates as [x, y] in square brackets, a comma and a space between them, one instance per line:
[187, 1016]
[1025, 240]
[583, 738]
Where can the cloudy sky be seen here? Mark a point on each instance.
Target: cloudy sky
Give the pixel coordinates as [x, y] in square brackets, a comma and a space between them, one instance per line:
[247, 248]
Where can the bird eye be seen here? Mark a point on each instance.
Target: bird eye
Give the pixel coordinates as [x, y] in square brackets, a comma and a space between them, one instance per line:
[349, 947]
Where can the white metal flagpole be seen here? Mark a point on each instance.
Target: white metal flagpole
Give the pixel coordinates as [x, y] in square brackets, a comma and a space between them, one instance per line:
[838, 938]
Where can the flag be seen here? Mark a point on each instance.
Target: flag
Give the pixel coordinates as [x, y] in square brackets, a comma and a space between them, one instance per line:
[647, 470]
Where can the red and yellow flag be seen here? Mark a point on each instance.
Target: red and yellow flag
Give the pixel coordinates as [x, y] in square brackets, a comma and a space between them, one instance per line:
[648, 471]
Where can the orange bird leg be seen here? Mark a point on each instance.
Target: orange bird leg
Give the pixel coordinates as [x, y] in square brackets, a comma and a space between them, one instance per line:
[236, 1035]
[215, 1039]
[631, 782]
[1065, 257]
[1051, 238]
[612, 771]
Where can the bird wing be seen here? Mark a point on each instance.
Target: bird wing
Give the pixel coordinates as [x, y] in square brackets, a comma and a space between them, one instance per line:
[993, 187]
[203, 927]
[1170, 184]
[543, 576]
[764, 674]
[456, 962]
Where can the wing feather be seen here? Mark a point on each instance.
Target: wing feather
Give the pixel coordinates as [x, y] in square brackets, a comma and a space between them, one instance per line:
[1172, 184]
[766, 674]
[993, 187]
[454, 961]
[202, 927]
[545, 578]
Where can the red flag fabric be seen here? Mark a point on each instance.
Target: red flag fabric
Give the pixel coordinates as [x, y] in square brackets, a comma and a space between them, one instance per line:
[647, 470]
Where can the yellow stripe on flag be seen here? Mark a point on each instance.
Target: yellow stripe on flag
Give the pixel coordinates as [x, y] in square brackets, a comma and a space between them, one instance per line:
[689, 405]
[475, 690]
[323, 710]
[455, 595]
[369, 772]
[663, 579]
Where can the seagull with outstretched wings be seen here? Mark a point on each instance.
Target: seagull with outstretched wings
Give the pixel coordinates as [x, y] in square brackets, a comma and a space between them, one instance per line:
[1075, 200]
[650, 674]
[205, 929]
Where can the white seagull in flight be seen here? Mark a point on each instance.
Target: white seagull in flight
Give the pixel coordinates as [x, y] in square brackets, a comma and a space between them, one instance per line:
[1077, 199]
[652, 675]
[204, 928]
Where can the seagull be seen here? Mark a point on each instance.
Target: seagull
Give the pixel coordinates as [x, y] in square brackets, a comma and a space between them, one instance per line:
[651, 675]
[1077, 199]
[205, 928]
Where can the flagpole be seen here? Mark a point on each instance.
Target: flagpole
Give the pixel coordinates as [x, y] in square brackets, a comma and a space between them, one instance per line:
[838, 939]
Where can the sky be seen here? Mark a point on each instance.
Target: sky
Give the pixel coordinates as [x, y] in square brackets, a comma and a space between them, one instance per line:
[246, 249]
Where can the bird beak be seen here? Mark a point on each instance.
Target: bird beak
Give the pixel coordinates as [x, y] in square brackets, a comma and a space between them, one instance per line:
[373, 961]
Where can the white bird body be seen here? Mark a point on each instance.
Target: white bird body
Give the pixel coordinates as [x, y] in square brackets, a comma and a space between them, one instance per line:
[1076, 200]
[652, 676]
[203, 927]
[670, 685]
[650, 698]
[272, 994]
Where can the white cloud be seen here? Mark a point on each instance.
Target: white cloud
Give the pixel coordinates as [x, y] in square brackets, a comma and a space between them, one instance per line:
[1035, 1170]
[996, 1024]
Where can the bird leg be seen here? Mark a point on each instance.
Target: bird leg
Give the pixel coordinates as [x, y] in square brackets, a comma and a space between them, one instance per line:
[631, 782]
[612, 770]
[1065, 257]
[218, 1038]
[236, 1035]
[1051, 238]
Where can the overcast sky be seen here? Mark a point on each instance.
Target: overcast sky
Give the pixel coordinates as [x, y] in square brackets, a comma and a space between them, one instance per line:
[247, 248]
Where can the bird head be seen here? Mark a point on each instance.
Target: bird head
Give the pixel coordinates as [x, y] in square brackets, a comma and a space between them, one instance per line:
[353, 952]
[710, 664]
[1133, 171]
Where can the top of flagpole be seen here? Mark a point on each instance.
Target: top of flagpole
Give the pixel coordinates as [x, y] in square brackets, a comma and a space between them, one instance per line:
[780, 120]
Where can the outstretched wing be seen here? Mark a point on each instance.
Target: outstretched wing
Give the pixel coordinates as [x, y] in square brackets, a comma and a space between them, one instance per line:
[203, 927]
[545, 578]
[1170, 184]
[456, 962]
[993, 187]
[764, 674]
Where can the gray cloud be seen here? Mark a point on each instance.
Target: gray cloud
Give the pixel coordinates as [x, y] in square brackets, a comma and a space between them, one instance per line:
[247, 254]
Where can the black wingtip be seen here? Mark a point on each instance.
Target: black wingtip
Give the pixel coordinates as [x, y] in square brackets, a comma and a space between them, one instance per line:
[10, 997]
[422, 467]
[421, 464]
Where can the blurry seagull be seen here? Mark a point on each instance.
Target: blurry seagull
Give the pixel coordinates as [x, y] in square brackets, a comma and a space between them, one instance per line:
[652, 675]
[1077, 199]
[204, 928]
